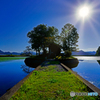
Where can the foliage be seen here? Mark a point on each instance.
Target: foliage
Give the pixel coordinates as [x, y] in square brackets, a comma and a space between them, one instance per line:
[32, 56]
[39, 37]
[68, 53]
[42, 36]
[48, 84]
[69, 37]
[98, 51]
[64, 57]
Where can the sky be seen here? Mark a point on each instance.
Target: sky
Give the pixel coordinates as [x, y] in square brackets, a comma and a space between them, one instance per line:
[18, 17]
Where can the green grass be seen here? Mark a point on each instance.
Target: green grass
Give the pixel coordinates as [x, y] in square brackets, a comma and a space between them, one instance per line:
[53, 62]
[48, 84]
[64, 57]
[10, 58]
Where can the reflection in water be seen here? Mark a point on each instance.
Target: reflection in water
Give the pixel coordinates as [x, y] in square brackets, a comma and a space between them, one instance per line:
[71, 65]
[11, 72]
[80, 60]
[87, 57]
[33, 62]
[26, 69]
[89, 70]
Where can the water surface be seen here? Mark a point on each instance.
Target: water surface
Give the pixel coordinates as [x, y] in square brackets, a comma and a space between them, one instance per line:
[11, 72]
[89, 69]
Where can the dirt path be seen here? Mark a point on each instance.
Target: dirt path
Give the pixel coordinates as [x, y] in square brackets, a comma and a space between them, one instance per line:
[59, 68]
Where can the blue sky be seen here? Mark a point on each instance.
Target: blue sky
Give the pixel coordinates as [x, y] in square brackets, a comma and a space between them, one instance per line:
[18, 17]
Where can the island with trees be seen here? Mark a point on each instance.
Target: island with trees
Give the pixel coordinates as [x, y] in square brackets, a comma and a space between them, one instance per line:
[48, 39]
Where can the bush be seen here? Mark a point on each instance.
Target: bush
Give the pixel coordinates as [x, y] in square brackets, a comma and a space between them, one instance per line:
[68, 53]
[61, 54]
[32, 56]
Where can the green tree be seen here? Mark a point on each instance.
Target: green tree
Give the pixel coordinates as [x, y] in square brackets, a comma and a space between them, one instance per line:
[69, 37]
[98, 51]
[39, 37]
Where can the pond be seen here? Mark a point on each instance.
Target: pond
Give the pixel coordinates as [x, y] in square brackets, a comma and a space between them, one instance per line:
[11, 72]
[89, 69]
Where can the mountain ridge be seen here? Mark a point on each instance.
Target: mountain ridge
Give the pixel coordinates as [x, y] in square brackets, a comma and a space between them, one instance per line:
[13, 53]
[81, 52]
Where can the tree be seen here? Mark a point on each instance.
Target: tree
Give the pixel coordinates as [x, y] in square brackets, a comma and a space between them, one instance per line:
[69, 37]
[39, 37]
[98, 51]
[28, 50]
[34, 40]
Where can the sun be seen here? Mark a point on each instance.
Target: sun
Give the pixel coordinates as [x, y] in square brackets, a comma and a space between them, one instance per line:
[84, 12]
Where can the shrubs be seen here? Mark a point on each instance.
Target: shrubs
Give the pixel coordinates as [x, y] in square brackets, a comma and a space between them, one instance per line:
[68, 53]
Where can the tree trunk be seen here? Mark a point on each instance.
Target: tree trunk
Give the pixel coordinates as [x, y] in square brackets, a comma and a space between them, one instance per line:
[39, 52]
[36, 52]
[43, 50]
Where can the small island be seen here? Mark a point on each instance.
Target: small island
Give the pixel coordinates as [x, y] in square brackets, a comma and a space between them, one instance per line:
[51, 43]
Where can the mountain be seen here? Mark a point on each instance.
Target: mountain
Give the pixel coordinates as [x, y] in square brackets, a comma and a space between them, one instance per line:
[13, 53]
[83, 53]
[1, 52]
[34, 53]
[8, 53]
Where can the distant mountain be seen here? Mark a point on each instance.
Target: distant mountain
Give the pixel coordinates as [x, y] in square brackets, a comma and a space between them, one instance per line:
[8, 53]
[1, 52]
[34, 53]
[13, 53]
[83, 53]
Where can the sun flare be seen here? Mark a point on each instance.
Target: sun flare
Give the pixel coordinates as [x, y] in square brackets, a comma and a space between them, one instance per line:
[84, 12]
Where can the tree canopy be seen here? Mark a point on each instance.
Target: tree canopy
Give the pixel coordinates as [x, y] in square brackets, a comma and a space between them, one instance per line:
[40, 37]
[69, 37]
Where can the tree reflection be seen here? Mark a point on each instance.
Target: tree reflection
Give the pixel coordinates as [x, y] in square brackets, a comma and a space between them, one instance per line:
[26, 69]
[71, 65]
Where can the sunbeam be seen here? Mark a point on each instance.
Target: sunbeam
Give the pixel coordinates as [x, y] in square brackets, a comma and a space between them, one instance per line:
[95, 31]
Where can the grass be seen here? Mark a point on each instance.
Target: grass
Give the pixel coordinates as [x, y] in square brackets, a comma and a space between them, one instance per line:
[10, 58]
[53, 62]
[48, 84]
[64, 57]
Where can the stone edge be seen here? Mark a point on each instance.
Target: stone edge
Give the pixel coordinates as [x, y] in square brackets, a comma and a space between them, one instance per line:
[16, 87]
[91, 86]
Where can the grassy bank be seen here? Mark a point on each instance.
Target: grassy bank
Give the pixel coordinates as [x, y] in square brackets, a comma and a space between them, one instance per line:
[48, 84]
[10, 58]
[64, 57]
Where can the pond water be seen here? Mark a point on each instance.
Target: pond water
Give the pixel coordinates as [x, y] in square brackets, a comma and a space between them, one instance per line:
[11, 72]
[89, 69]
